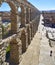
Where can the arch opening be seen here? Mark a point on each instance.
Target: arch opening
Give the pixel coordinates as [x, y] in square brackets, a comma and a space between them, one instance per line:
[8, 53]
[19, 9]
[19, 12]
[6, 21]
[7, 24]
[9, 18]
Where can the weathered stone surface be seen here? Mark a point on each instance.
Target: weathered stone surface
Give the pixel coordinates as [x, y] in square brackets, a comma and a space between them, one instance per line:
[31, 57]
[15, 41]
[38, 53]
[23, 40]
[14, 52]
[0, 28]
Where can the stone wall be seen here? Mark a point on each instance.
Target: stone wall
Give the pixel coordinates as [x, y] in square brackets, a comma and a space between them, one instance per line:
[21, 36]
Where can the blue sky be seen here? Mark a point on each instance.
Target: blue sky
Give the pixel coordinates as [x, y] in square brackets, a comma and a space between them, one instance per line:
[40, 4]
[5, 7]
[44, 4]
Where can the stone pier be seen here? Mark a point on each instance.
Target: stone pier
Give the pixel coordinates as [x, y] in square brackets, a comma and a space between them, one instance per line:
[15, 51]
[20, 35]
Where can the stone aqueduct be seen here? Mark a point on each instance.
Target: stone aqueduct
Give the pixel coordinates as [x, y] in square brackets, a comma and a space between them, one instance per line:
[21, 36]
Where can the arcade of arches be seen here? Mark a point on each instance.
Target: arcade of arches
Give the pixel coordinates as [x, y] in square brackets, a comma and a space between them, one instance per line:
[21, 35]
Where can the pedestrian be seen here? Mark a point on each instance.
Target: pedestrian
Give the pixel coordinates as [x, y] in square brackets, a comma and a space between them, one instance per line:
[51, 53]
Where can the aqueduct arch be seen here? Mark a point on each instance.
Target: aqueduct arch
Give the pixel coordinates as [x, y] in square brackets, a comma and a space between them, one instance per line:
[14, 15]
[28, 14]
[14, 29]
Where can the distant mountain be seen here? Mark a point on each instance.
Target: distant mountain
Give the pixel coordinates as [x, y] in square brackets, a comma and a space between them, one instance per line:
[53, 11]
[5, 11]
[6, 21]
